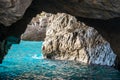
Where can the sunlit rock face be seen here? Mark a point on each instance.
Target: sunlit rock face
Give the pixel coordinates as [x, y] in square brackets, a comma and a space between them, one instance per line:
[69, 39]
[12, 10]
[98, 9]
[36, 29]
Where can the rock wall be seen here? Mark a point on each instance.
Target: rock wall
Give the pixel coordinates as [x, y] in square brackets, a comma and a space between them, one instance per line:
[12, 10]
[68, 39]
[98, 9]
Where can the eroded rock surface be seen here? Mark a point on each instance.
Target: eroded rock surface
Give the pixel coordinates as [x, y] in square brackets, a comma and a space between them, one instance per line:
[12, 10]
[36, 29]
[68, 39]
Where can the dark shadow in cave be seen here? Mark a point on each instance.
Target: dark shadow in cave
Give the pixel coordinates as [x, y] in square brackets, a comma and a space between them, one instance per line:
[109, 26]
[110, 29]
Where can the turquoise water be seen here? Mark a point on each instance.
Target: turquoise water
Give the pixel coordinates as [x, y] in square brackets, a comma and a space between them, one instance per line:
[25, 61]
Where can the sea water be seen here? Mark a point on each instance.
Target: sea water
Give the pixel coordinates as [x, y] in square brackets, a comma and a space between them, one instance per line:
[25, 61]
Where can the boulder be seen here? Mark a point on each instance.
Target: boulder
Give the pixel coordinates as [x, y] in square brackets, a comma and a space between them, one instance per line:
[69, 39]
[12, 10]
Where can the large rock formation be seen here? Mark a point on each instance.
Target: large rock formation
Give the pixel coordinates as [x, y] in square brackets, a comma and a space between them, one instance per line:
[98, 9]
[68, 39]
[12, 10]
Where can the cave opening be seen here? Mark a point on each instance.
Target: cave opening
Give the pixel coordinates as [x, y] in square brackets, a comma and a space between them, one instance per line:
[109, 29]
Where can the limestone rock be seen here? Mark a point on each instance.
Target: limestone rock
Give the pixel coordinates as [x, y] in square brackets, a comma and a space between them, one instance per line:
[12, 10]
[98, 9]
[36, 29]
[69, 39]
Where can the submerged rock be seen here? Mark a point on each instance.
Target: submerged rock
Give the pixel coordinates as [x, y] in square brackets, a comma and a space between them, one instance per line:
[12, 10]
[69, 39]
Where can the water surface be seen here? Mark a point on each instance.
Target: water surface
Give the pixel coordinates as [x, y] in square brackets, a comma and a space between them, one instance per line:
[25, 61]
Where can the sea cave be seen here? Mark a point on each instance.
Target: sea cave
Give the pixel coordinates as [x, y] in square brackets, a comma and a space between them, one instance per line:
[59, 40]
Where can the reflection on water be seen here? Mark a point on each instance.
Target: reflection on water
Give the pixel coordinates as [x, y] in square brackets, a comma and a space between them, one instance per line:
[25, 62]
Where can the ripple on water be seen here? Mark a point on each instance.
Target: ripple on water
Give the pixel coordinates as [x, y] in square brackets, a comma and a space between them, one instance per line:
[18, 65]
[60, 70]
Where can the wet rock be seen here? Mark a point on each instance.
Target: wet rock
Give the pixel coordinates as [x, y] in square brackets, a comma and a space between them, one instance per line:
[69, 39]
[12, 10]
